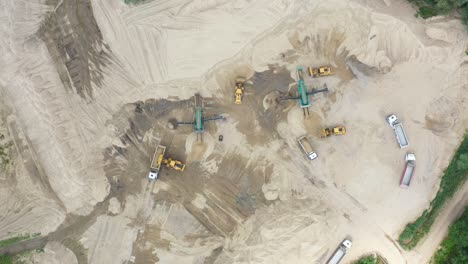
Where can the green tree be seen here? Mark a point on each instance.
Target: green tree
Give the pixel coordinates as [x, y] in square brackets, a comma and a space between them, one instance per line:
[464, 16]
[445, 6]
[454, 249]
[367, 260]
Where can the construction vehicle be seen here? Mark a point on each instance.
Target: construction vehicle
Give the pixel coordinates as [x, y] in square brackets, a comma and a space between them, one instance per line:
[340, 252]
[338, 130]
[399, 131]
[306, 146]
[199, 119]
[303, 94]
[239, 90]
[407, 175]
[156, 162]
[174, 164]
[320, 72]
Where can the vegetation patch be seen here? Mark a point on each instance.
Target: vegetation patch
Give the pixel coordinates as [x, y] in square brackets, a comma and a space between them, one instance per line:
[454, 176]
[5, 157]
[18, 238]
[6, 259]
[134, 2]
[430, 8]
[370, 259]
[454, 249]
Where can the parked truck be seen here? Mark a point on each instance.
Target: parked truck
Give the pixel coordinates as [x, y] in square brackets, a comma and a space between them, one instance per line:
[409, 170]
[306, 146]
[399, 131]
[340, 252]
[158, 158]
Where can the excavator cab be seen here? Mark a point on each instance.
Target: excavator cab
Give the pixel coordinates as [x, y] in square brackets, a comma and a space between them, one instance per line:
[179, 166]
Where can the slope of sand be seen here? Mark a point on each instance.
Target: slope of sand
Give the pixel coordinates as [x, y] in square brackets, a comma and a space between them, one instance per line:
[253, 198]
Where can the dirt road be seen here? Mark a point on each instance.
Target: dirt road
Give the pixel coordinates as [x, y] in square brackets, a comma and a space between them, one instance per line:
[451, 211]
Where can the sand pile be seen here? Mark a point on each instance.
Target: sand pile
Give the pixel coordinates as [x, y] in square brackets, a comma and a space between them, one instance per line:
[253, 198]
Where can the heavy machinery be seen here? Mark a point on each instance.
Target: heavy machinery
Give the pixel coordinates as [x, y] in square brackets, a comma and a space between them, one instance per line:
[320, 72]
[400, 134]
[239, 90]
[306, 147]
[156, 162]
[338, 130]
[199, 119]
[407, 175]
[303, 94]
[340, 252]
[174, 164]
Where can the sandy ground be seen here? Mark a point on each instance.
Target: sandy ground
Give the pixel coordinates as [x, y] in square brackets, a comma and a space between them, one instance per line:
[85, 103]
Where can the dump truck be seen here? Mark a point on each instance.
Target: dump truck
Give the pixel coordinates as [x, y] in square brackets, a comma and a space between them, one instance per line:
[407, 175]
[399, 131]
[320, 72]
[156, 162]
[340, 252]
[174, 164]
[306, 146]
[239, 91]
[338, 130]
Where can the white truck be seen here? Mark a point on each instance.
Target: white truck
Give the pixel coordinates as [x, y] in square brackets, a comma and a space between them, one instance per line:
[306, 146]
[156, 162]
[340, 252]
[399, 131]
[409, 170]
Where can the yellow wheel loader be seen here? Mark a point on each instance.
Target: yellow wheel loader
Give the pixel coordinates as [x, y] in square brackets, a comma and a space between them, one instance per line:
[338, 130]
[174, 164]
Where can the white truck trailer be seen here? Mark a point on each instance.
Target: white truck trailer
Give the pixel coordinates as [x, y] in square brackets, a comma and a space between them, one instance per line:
[409, 170]
[306, 146]
[340, 252]
[156, 162]
[399, 131]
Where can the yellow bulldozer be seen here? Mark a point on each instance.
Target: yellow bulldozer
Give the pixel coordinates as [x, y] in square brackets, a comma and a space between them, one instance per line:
[320, 72]
[338, 130]
[174, 164]
[239, 90]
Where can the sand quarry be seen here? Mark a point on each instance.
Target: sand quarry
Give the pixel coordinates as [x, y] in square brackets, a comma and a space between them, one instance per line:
[87, 88]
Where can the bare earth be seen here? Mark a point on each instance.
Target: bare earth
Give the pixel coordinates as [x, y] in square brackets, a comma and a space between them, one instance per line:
[88, 87]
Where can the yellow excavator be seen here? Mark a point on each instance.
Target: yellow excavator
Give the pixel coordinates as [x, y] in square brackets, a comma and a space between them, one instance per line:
[174, 164]
[338, 130]
[239, 90]
[320, 72]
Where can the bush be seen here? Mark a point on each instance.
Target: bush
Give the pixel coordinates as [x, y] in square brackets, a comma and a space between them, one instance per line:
[454, 176]
[454, 249]
[367, 260]
[464, 16]
[134, 2]
[15, 239]
[430, 8]
[427, 12]
[6, 259]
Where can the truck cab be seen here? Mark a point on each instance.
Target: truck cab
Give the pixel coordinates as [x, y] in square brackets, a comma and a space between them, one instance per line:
[153, 175]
